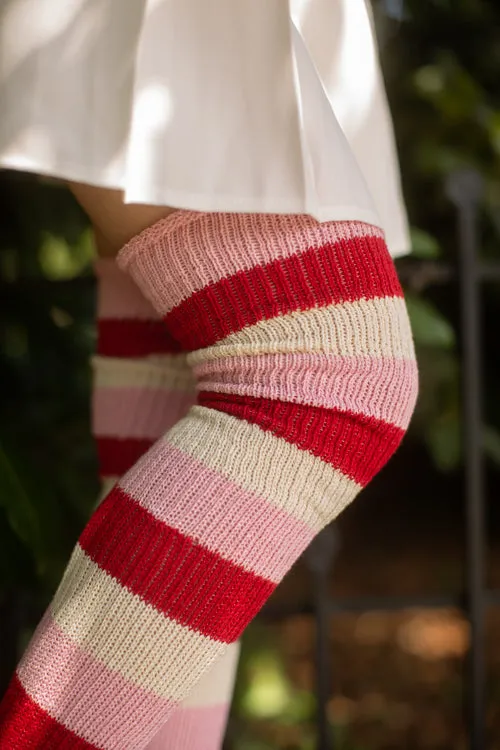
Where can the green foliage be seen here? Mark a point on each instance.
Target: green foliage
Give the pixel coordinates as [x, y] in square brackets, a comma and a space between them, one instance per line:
[430, 327]
[47, 465]
[16, 502]
[423, 245]
[34, 517]
[59, 260]
[442, 64]
[438, 413]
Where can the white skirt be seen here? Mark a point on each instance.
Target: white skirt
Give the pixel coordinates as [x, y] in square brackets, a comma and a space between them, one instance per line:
[272, 106]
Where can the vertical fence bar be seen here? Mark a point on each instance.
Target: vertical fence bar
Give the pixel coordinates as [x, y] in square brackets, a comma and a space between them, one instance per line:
[465, 190]
[319, 558]
[322, 661]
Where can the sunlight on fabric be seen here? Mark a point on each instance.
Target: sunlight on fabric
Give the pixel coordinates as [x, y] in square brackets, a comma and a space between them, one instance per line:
[28, 141]
[340, 39]
[154, 108]
[299, 8]
[153, 111]
[153, 5]
[20, 39]
[356, 73]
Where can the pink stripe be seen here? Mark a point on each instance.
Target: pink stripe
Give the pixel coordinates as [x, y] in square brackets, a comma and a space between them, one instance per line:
[118, 296]
[192, 250]
[193, 729]
[219, 514]
[90, 699]
[137, 412]
[383, 388]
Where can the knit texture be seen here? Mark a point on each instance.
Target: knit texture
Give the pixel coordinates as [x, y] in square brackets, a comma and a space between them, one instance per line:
[301, 346]
[140, 387]
[200, 722]
[140, 391]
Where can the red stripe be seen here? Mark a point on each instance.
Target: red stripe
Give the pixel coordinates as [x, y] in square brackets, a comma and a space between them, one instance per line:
[134, 338]
[118, 455]
[23, 725]
[171, 571]
[347, 271]
[357, 445]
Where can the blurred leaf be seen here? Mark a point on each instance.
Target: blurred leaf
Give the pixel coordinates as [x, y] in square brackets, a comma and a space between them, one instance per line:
[430, 80]
[342, 739]
[301, 707]
[34, 516]
[491, 443]
[16, 502]
[449, 87]
[493, 125]
[430, 327]
[8, 264]
[424, 245]
[61, 260]
[445, 442]
[269, 692]
[249, 743]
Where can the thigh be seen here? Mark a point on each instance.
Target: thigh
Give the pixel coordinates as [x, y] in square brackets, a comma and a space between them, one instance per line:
[115, 222]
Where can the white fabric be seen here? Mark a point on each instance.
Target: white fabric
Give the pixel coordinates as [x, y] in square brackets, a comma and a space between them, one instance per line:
[214, 105]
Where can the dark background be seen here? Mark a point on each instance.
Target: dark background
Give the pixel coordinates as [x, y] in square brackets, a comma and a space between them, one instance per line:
[397, 679]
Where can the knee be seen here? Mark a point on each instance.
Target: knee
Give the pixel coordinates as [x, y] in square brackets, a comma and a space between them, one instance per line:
[295, 326]
[340, 382]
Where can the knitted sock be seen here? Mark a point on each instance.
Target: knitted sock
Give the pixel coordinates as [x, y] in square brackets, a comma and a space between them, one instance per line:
[142, 384]
[200, 722]
[302, 350]
[140, 391]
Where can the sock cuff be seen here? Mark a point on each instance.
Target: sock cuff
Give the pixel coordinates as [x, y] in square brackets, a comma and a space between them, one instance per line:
[189, 252]
[118, 296]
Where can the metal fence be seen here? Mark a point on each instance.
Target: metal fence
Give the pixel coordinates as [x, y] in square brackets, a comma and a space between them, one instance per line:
[464, 189]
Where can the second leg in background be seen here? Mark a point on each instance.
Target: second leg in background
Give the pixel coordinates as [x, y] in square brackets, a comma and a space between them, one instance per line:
[140, 390]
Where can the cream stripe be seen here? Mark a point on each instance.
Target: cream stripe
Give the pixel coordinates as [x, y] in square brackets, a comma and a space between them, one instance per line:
[76, 689]
[128, 635]
[376, 328]
[170, 372]
[217, 513]
[216, 685]
[305, 487]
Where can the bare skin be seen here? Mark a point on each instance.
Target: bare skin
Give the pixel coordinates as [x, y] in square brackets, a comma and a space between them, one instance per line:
[115, 222]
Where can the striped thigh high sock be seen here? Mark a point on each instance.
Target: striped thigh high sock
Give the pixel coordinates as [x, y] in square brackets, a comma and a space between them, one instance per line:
[300, 343]
[142, 384]
[142, 387]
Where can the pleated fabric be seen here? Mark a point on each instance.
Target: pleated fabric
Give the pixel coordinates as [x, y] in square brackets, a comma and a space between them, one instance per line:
[208, 105]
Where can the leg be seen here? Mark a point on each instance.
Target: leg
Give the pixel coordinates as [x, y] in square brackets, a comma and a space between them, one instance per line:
[301, 346]
[115, 222]
[201, 721]
[142, 386]
[141, 390]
